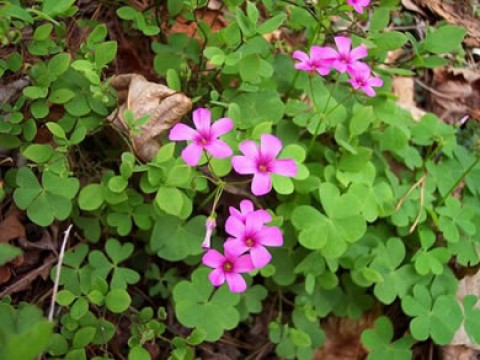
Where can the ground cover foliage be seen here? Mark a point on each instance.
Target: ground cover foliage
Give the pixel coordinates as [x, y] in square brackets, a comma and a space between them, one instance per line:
[370, 209]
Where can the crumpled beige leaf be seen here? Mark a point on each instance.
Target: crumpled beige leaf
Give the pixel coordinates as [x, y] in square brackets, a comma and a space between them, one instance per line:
[165, 106]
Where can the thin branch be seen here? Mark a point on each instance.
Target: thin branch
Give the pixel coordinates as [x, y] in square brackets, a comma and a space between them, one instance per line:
[57, 273]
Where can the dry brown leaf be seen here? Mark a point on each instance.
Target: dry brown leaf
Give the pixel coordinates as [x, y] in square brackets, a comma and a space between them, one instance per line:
[11, 227]
[409, 4]
[455, 94]
[165, 106]
[457, 12]
[343, 338]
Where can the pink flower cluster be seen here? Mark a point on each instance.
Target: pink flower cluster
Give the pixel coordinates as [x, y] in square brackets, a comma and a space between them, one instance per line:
[343, 59]
[259, 161]
[245, 248]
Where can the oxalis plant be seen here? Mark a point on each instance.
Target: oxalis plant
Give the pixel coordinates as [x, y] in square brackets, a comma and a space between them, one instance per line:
[295, 191]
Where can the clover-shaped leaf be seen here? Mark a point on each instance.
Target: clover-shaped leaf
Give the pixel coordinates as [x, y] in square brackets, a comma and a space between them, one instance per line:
[396, 281]
[71, 269]
[438, 319]
[197, 307]
[118, 253]
[251, 301]
[331, 233]
[174, 239]
[455, 217]
[46, 202]
[472, 318]
[378, 341]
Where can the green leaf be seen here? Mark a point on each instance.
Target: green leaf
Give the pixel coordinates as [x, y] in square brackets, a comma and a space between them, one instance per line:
[61, 96]
[249, 67]
[173, 80]
[83, 337]
[105, 53]
[8, 253]
[65, 297]
[38, 153]
[188, 237]
[445, 39]
[91, 197]
[58, 64]
[138, 353]
[118, 300]
[170, 200]
[391, 40]
[56, 130]
[271, 24]
[42, 32]
[361, 119]
[378, 341]
[196, 307]
[35, 92]
[56, 7]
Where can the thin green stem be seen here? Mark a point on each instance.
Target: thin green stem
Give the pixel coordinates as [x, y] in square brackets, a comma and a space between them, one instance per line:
[460, 179]
[324, 112]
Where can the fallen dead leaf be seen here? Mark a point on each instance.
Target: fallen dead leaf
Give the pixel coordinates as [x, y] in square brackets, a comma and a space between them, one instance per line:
[11, 227]
[164, 106]
[343, 337]
[455, 94]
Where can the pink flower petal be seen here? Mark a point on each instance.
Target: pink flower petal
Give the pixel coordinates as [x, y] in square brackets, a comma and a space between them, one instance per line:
[261, 184]
[246, 206]
[270, 146]
[375, 81]
[234, 226]
[202, 119]
[368, 90]
[217, 277]
[181, 132]
[243, 165]
[253, 223]
[323, 53]
[260, 256]
[236, 283]
[270, 236]
[285, 167]
[219, 149]
[359, 53]
[300, 55]
[344, 44]
[234, 248]
[191, 154]
[263, 216]
[249, 149]
[213, 259]
[243, 264]
[221, 126]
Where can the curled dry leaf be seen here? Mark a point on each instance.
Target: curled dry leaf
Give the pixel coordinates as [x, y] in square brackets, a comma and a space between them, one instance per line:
[164, 106]
[456, 94]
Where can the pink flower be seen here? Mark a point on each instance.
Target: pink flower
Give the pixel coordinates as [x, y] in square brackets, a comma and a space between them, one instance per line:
[210, 225]
[346, 59]
[205, 137]
[246, 207]
[358, 5]
[261, 162]
[252, 236]
[362, 79]
[228, 267]
[320, 60]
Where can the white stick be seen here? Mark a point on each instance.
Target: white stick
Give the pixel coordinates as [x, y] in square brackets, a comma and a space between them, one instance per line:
[57, 274]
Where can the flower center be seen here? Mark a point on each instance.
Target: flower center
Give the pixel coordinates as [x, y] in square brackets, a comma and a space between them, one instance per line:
[227, 266]
[249, 242]
[262, 168]
[344, 58]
